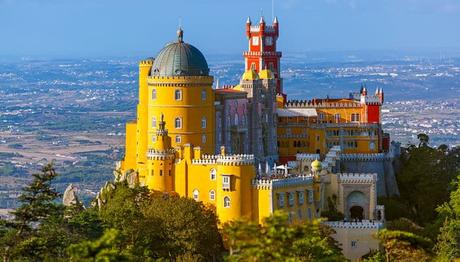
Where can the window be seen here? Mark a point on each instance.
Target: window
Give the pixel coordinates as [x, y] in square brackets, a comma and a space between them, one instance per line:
[196, 194]
[212, 174]
[309, 214]
[226, 201]
[212, 195]
[269, 40]
[226, 182]
[154, 94]
[203, 95]
[321, 116]
[154, 122]
[337, 118]
[236, 119]
[353, 244]
[291, 199]
[154, 138]
[310, 196]
[281, 200]
[299, 212]
[354, 117]
[178, 123]
[253, 66]
[255, 40]
[203, 139]
[178, 139]
[301, 198]
[178, 95]
[317, 138]
[371, 145]
[203, 122]
[161, 172]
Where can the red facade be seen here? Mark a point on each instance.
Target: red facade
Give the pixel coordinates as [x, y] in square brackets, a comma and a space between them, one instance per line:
[373, 113]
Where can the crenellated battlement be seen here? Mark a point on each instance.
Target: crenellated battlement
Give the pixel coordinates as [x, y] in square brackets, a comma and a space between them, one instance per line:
[364, 224]
[204, 161]
[257, 28]
[273, 183]
[357, 178]
[306, 156]
[235, 160]
[153, 154]
[148, 61]
[256, 53]
[366, 157]
[318, 103]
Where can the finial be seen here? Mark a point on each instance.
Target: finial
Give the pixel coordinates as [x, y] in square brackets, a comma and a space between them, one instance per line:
[275, 21]
[180, 35]
[262, 21]
[248, 21]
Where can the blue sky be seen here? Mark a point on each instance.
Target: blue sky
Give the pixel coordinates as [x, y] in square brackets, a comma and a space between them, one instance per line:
[78, 28]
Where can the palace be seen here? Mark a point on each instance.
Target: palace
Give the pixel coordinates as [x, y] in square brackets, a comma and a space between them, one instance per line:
[248, 150]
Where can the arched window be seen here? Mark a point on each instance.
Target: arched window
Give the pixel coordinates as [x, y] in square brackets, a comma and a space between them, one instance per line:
[196, 194]
[154, 122]
[236, 119]
[203, 139]
[203, 122]
[178, 139]
[154, 94]
[337, 118]
[178, 123]
[203, 95]
[178, 95]
[212, 174]
[212, 195]
[226, 201]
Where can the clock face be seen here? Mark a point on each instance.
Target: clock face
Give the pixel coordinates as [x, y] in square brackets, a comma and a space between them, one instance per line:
[269, 40]
[255, 41]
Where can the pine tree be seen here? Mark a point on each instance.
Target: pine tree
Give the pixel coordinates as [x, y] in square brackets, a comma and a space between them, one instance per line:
[21, 237]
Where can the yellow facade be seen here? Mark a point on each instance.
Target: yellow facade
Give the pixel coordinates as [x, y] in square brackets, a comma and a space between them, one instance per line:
[333, 125]
[189, 99]
[171, 144]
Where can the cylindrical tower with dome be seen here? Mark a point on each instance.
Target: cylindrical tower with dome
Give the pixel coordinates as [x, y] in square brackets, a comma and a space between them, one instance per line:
[180, 88]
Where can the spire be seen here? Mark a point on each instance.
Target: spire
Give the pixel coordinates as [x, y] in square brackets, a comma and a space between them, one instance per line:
[180, 35]
[262, 21]
[248, 21]
[162, 123]
[377, 91]
[217, 83]
[267, 168]
[275, 21]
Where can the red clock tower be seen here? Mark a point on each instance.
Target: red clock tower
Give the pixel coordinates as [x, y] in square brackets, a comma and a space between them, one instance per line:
[262, 52]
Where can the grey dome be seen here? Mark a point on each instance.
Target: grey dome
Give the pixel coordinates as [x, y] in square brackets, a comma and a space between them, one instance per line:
[180, 59]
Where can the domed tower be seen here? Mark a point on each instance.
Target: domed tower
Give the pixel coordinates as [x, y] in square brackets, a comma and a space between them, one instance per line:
[180, 89]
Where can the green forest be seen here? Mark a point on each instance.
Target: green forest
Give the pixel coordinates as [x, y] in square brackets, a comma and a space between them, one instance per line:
[135, 224]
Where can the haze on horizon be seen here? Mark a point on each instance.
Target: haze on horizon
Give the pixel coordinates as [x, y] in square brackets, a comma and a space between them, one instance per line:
[88, 28]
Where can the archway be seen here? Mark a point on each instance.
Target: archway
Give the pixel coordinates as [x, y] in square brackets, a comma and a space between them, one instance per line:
[356, 212]
[356, 205]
